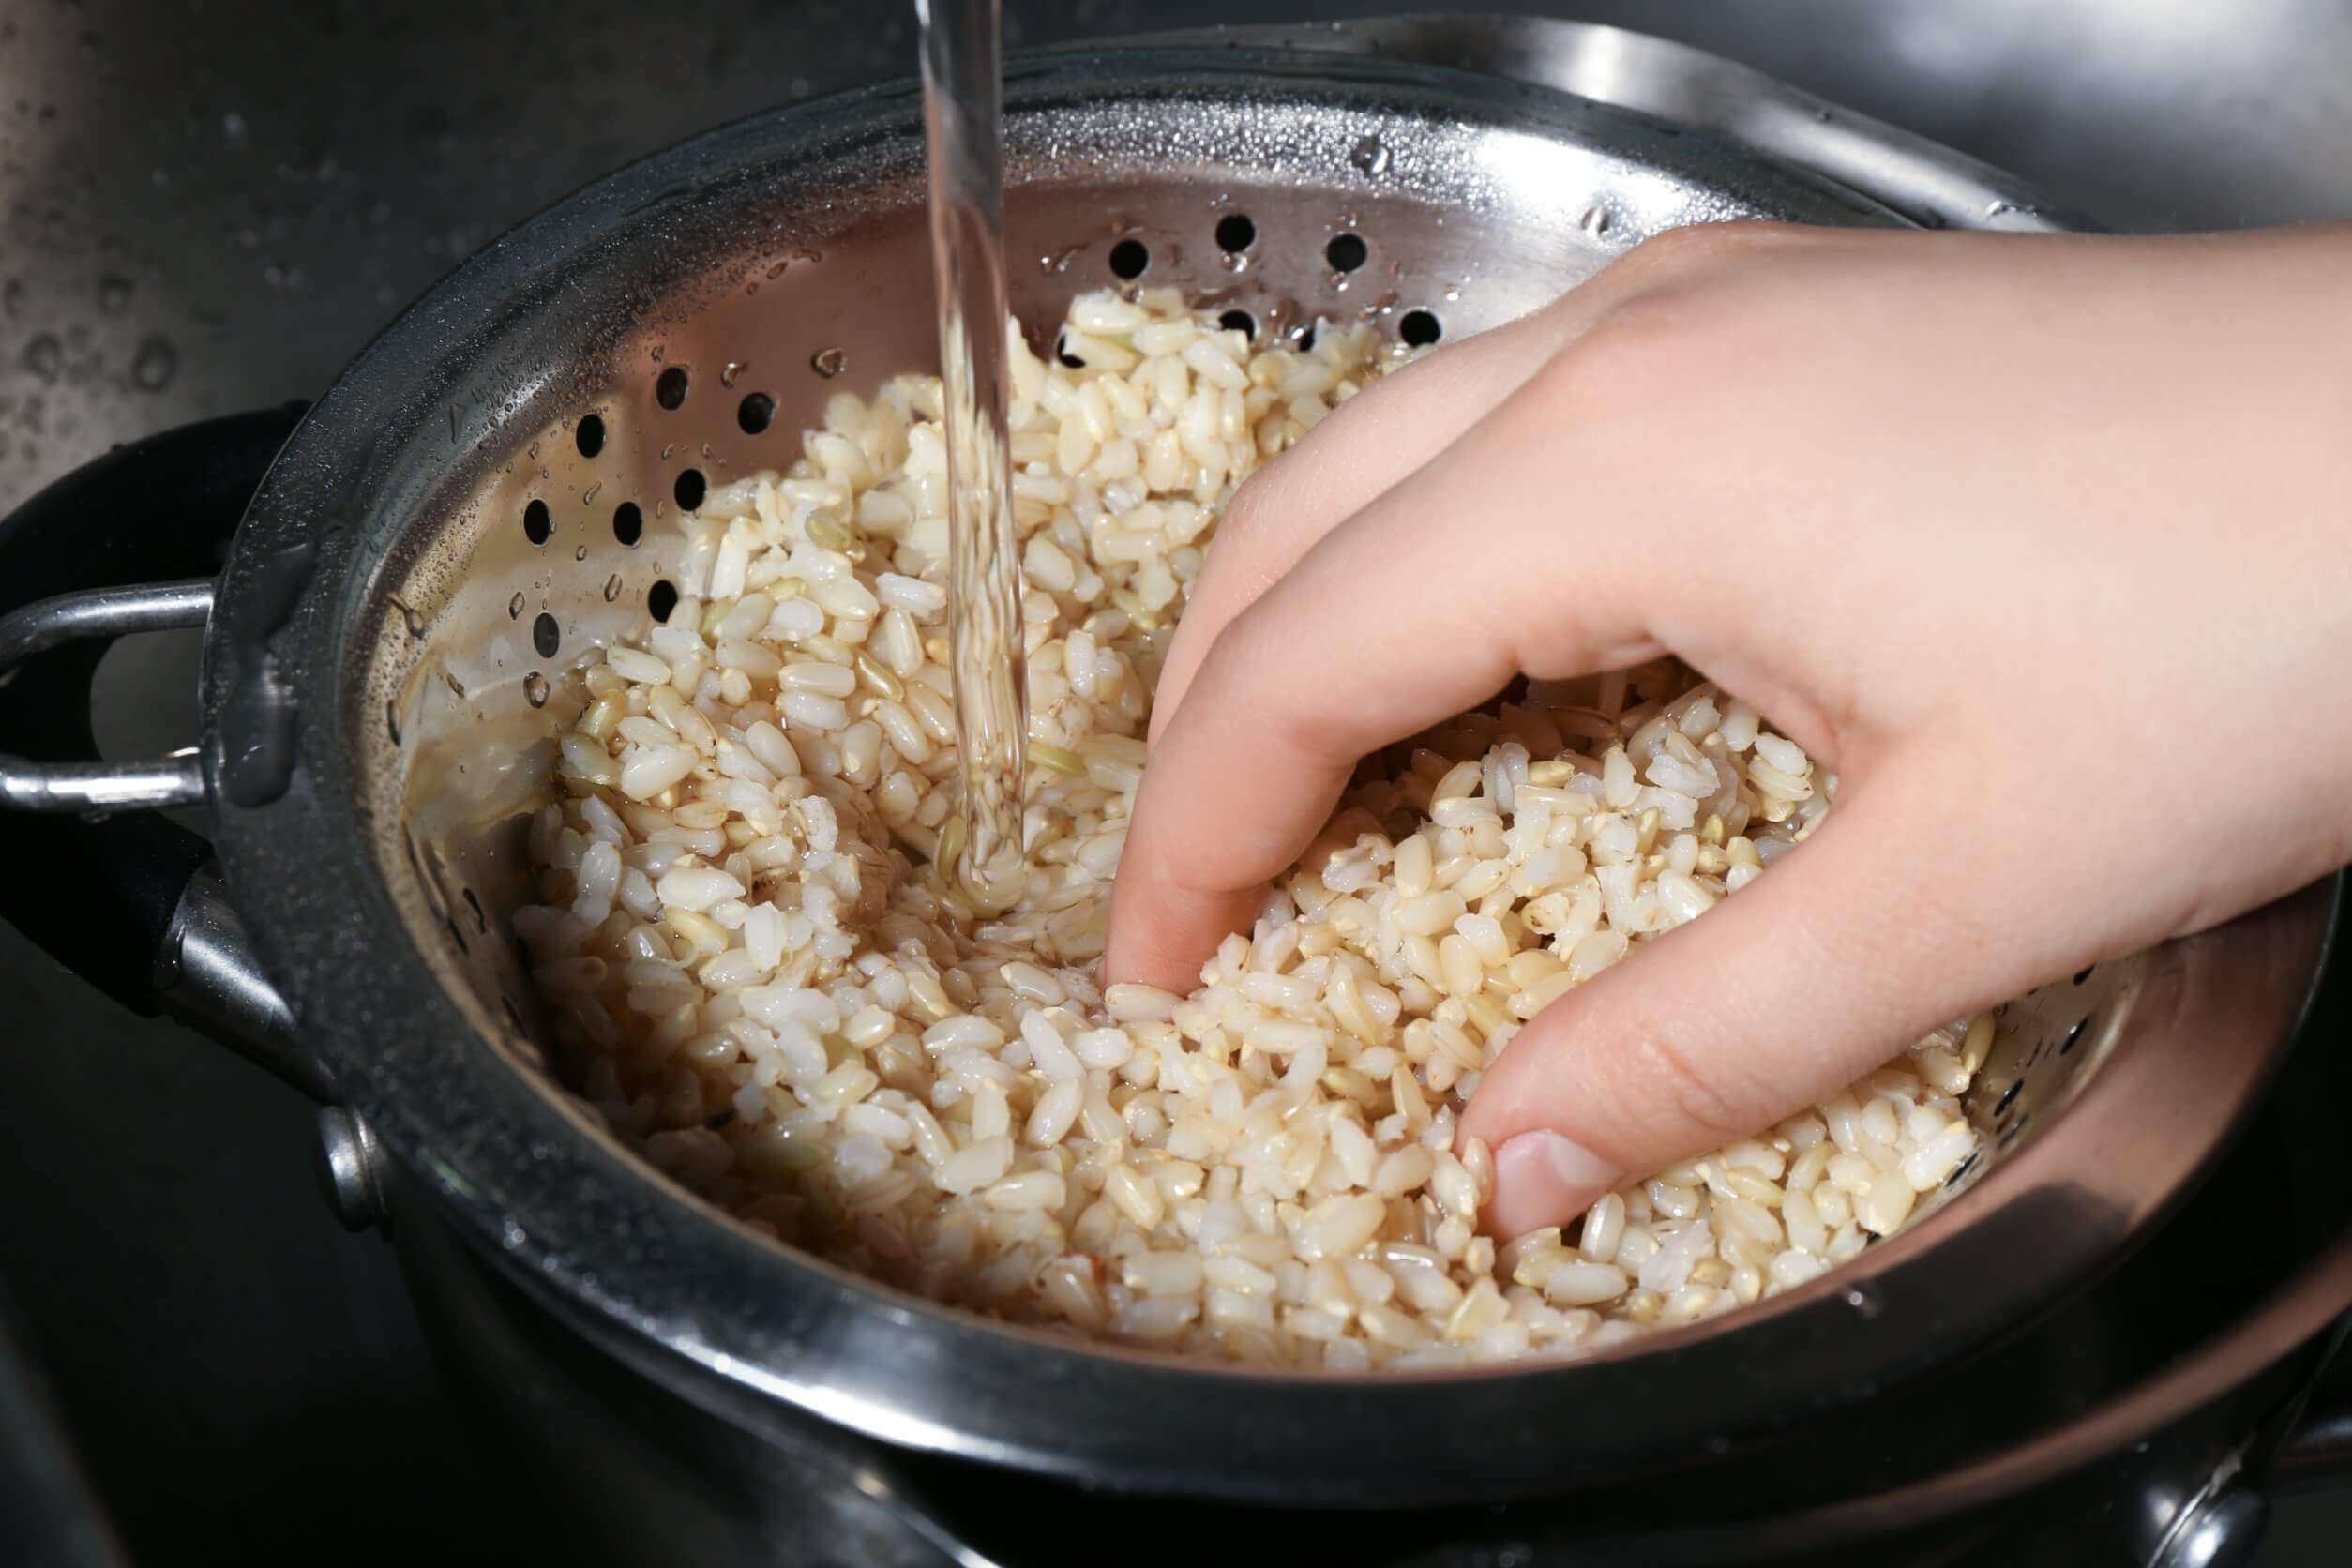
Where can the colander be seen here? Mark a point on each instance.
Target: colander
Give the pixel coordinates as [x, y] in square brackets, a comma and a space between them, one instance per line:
[495, 486]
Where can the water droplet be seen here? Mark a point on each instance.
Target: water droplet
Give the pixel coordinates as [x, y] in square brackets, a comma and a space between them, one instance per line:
[535, 689]
[588, 496]
[44, 354]
[455, 685]
[392, 720]
[1596, 221]
[113, 292]
[1370, 156]
[514, 608]
[156, 363]
[829, 363]
[409, 617]
[613, 587]
[1865, 1299]
[1233, 261]
[656, 354]
[733, 368]
[581, 554]
[668, 447]
[777, 270]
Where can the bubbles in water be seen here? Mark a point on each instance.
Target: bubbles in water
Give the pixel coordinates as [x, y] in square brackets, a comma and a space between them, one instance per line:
[1865, 1299]
[514, 608]
[44, 356]
[1370, 155]
[156, 363]
[113, 292]
[829, 362]
[535, 689]
[232, 127]
[1596, 221]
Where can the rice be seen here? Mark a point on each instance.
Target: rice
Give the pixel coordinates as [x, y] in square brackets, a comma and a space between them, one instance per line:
[757, 979]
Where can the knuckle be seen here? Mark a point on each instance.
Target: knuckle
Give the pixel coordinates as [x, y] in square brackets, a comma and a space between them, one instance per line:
[1245, 513]
[1634, 357]
[1695, 246]
[1670, 1094]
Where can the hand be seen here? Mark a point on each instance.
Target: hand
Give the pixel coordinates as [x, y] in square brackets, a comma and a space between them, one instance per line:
[2040, 543]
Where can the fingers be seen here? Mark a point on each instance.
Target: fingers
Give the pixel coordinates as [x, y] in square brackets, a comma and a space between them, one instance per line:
[1373, 441]
[1393, 622]
[1804, 980]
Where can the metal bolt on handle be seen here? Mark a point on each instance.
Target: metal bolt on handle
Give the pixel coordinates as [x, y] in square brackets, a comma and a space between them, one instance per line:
[351, 1169]
[102, 613]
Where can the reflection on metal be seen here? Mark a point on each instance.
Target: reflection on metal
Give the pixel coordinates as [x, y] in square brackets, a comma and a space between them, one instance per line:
[1927, 183]
[206, 975]
[101, 614]
[351, 1169]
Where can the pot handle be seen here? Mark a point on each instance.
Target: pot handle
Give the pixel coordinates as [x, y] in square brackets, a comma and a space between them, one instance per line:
[127, 543]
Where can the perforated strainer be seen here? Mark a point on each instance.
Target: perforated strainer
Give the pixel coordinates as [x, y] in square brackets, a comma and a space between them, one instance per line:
[495, 486]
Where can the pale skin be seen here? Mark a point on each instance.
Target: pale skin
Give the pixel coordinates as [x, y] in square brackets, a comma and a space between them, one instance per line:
[2042, 544]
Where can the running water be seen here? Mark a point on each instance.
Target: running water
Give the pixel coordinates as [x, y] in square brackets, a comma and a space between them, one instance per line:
[962, 111]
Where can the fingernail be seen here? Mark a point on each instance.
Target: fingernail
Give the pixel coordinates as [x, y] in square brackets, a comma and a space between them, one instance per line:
[1544, 1179]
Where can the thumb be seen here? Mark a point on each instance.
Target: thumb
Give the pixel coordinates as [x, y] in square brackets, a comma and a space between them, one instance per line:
[1801, 983]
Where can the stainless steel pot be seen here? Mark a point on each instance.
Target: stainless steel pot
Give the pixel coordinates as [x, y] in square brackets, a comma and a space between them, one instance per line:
[495, 485]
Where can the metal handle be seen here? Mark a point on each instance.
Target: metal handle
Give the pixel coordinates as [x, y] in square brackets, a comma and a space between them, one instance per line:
[101, 614]
[121, 896]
